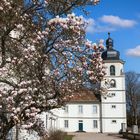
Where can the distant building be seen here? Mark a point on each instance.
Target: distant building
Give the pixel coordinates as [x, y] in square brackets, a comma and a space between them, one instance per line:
[89, 113]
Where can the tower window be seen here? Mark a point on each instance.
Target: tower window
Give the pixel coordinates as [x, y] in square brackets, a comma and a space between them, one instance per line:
[113, 94]
[112, 83]
[112, 70]
[114, 121]
[113, 106]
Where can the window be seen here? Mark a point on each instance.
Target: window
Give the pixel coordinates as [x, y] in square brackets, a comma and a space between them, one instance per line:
[66, 109]
[114, 121]
[94, 109]
[112, 70]
[113, 94]
[46, 120]
[80, 109]
[66, 123]
[95, 124]
[80, 121]
[113, 106]
[121, 72]
[112, 83]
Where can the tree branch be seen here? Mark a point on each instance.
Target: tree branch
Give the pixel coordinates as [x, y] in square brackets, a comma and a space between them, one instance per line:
[9, 83]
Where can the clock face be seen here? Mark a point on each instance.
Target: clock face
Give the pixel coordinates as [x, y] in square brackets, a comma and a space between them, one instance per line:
[111, 53]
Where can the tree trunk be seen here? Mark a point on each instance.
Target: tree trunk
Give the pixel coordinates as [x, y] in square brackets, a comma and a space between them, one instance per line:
[3, 134]
[136, 121]
[17, 132]
[4, 131]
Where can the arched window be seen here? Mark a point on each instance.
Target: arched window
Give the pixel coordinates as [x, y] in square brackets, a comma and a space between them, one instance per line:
[112, 83]
[112, 70]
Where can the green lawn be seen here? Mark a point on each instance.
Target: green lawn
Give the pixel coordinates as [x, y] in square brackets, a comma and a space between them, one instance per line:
[68, 137]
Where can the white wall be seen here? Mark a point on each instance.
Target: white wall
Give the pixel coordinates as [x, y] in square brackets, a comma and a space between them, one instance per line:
[119, 100]
[108, 126]
[118, 66]
[74, 110]
[119, 97]
[73, 116]
[108, 111]
[74, 124]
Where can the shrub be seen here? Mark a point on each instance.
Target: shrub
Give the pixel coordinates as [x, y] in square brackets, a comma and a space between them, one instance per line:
[56, 135]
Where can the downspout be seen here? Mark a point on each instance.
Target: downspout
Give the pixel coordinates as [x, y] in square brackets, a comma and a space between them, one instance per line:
[101, 122]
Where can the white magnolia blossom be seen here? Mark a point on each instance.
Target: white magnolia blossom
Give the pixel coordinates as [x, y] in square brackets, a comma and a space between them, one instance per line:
[44, 60]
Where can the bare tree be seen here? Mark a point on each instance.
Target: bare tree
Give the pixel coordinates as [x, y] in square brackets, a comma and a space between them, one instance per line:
[132, 96]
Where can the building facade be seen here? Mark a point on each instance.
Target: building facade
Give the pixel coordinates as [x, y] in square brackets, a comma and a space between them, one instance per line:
[88, 112]
[91, 114]
[113, 106]
[81, 114]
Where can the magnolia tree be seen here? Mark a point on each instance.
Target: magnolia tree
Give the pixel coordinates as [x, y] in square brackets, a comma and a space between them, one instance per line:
[44, 57]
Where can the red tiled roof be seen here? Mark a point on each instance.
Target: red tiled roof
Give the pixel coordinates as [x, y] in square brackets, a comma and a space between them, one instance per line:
[83, 95]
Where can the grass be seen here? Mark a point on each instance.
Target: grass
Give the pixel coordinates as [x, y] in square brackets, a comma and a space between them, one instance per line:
[58, 135]
[68, 137]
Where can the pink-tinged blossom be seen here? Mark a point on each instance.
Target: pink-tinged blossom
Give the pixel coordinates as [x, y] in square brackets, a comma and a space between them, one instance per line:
[88, 44]
[43, 66]
[22, 90]
[1, 8]
[89, 72]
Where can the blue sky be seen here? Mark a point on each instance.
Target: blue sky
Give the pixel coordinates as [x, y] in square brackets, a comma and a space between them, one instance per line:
[122, 19]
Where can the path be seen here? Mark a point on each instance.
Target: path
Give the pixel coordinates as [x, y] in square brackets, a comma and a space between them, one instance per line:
[96, 136]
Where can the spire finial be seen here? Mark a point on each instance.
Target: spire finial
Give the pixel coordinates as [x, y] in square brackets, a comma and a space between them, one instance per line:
[109, 42]
[108, 34]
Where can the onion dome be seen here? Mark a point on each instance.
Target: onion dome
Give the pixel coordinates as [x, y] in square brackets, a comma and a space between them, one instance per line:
[110, 53]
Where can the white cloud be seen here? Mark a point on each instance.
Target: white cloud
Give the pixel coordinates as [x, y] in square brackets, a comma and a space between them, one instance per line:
[117, 21]
[94, 26]
[100, 28]
[108, 23]
[91, 25]
[134, 52]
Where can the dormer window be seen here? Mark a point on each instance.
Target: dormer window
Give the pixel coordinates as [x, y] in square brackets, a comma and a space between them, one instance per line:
[112, 70]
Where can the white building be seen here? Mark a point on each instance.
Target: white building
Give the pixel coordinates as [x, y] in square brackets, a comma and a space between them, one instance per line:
[91, 114]
[88, 112]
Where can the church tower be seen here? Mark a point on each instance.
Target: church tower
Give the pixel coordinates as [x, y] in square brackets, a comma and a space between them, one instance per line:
[113, 104]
